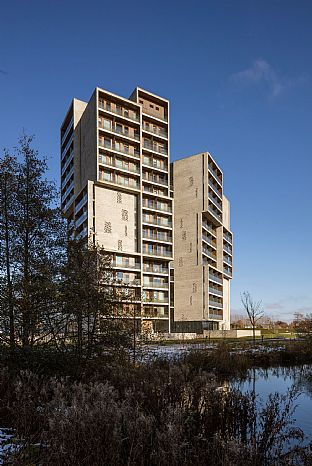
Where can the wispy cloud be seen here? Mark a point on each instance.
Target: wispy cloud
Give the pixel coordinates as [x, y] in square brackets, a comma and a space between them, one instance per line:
[262, 73]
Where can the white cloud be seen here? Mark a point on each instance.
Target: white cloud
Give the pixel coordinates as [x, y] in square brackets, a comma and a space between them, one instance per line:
[262, 73]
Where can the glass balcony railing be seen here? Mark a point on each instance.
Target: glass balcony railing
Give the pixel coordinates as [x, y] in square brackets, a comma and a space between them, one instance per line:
[157, 206]
[68, 176]
[83, 233]
[215, 291]
[157, 221]
[68, 161]
[215, 189]
[155, 268]
[81, 219]
[215, 316]
[125, 265]
[119, 164]
[153, 284]
[116, 130]
[118, 148]
[64, 151]
[216, 304]
[228, 261]
[227, 237]
[155, 179]
[215, 201]
[131, 114]
[154, 252]
[69, 202]
[156, 165]
[215, 212]
[209, 254]
[81, 203]
[158, 131]
[215, 174]
[209, 241]
[227, 271]
[157, 236]
[209, 228]
[227, 248]
[69, 127]
[155, 148]
[129, 183]
[215, 278]
[68, 190]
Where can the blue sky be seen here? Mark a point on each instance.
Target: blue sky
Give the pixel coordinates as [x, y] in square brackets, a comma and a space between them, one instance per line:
[239, 78]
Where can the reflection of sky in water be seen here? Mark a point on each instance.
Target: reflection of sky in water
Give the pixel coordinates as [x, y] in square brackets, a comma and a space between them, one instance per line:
[280, 380]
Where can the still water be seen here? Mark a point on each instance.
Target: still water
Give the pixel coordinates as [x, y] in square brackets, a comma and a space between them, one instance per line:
[280, 380]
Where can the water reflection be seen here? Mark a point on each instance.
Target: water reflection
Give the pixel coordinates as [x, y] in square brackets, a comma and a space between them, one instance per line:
[263, 382]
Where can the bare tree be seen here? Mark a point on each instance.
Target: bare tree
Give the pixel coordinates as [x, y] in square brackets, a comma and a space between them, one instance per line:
[253, 309]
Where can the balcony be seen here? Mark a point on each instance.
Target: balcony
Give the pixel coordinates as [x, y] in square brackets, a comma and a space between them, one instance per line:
[152, 299]
[215, 189]
[156, 206]
[157, 221]
[215, 291]
[155, 148]
[227, 271]
[209, 254]
[128, 183]
[119, 111]
[153, 164]
[81, 219]
[154, 252]
[215, 201]
[227, 261]
[153, 284]
[215, 316]
[125, 265]
[227, 237]
[68, 176]
[157, 131]
[215, 174]
[69, 202]
[155, 313]
[116, 130]
[83, 233]
[68, 190]
[155, 268]
[118, 148]
[82, 202]
[119, 164]
[215, 278]
[209, 241]
[216, 304]
[159, 236]
[227, 249]
[208, 228]
[154, 179]
[69, 127]
[69, 159]
[215, 213]
[64, 151]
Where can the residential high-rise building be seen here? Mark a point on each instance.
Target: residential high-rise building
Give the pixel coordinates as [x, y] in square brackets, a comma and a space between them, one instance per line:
[116, 190]
[115, 184]
[202, 245]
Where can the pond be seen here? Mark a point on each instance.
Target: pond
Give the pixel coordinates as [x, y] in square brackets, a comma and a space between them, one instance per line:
[280, 380]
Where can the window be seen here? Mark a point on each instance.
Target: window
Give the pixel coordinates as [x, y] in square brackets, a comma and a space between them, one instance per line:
[107, 176]
[157, 108]
[106, 123]
[118, 128]
[141, 101]
[152, 106]
[126, 113]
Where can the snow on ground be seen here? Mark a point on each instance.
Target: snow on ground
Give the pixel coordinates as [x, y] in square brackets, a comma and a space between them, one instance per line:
[7, 444]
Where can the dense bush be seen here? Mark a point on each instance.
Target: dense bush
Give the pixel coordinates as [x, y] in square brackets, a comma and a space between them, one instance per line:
[151, 414]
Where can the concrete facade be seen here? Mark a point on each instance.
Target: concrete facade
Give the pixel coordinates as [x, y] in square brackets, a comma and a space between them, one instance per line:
[117, 189]
[202, 254]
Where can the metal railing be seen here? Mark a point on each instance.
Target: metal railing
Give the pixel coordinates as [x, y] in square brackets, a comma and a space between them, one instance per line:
[215, 304]
[81, 203]
[215, 278]
[213, 171]
[155, 148]
[122, 165]
[69, 127]
[154, 179]
[158, 131]
[69, 159]
[121, 132]
[67, 146]
[156, 221]
[215, 291]
[155, 268]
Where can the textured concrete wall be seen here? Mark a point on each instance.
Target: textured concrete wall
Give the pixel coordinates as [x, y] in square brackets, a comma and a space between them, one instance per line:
[116, 219]
[188, 283]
